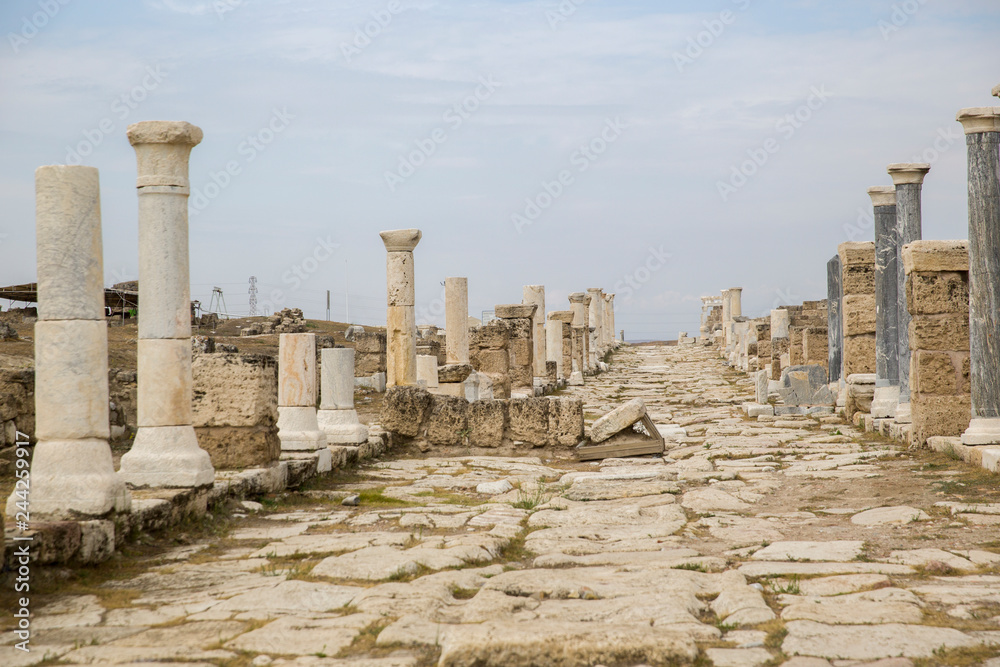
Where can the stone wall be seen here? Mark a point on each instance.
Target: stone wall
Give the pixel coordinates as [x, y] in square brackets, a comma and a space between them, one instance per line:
[937, 296]
[369, 353]
[857, 261]
[448, 426]
[489, 354]
[521, 325]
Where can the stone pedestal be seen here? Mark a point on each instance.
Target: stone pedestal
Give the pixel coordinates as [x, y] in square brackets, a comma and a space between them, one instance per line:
[534, 295]
[779, 340]
[886, 303]
[337, 417]
[401, 327]
[834, 321]
[72, 475]
[456, 315]
[165, 452]
[554, 342]
[908, 179]
[427, 371]
[982, 130]
[298, 427]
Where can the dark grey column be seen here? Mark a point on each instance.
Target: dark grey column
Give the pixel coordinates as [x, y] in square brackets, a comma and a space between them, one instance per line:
[908, 179]
[982, 129]
[886, 310]
[834, 323]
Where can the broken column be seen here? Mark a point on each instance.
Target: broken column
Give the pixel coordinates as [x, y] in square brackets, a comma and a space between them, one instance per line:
[908, 179]
[779, 340]
[520, 320]
[594, 322]
[72, 474]
[401, 326]
[734, 297]
[886, 303]
[857, 263]
[982, 130]
[554, 341]
[609, 325]
[588, 364]
[534, 295]
[834, 322]
[726, 320]
[165, 452]
[337, 417]
[298, 427]
[578, 306]
[456, 314]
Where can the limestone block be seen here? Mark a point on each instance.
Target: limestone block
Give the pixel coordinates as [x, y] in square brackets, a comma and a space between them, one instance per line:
[940, 332]
[454, 372]
[456, 304]
[815, 346]
[427, 370]
[167, 457]
[938, 372]
[566, 421]
[68, 238]
[234, 390]
[404, 410]
[165, 376]
[529, 420]
[487, 423]
[515, 311]
[859, 314]
[854, 253]
[401, 351]
[806, 385]
[400, 285]
[859, 279]
[297, 370]
[298, 429]
[236, 447]
[72, 479]
[370, 353]
[71, 388]
[341, 427]
[337, 378]
[936, 256]
[617, 420]
[795, 346]
[859, 354]
[447, 420]
[934, 293]
[761, 386]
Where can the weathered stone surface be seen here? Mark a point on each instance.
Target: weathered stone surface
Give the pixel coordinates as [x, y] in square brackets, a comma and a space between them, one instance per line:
[885, 605]
[868, 642]
[487, 422]
[404, 410]
[303, 636]
[806, 385]
[882, 516]
[618, 420]
[447, 421]
[454, 372]
[565, 421]
[529, 420]
[840, 550]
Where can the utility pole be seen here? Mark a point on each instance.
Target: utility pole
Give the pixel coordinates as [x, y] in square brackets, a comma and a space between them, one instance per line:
[328, 305]
[253, 296]
[347, 297]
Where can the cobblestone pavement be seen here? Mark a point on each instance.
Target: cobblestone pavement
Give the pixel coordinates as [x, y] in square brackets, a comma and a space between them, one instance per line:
[771, 541]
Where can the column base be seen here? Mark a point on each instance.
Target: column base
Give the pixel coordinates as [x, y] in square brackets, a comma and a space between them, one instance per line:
[298, 430]
[885, 401]
[167, 457]
[73, 479]
[982, 431]
[324, 458]
[576, 379]
[904, 413]
[342, 427]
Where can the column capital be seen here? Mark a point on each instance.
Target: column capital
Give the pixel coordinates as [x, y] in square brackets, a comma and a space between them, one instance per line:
[735, 289]
[977, 120]
[996, 90]
[164, 132]
[906, 173]
[577, 297]
[162, 149]
[883, 195]
[401, 240]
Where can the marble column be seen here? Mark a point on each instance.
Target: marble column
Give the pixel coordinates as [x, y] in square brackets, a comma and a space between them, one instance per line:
[886, 303]
[534, 295]
[554, 342]
[705, 310]
[72, 475]
[726, 321]
[588, 348]
[611, 319]
[834, 323]
[908, 179]
[337, 417]
[401, 326]
[982, 130]
[298, 424]
[578, 305]
[165, 452]
[456, 316]
[779, 340]
[594, 314]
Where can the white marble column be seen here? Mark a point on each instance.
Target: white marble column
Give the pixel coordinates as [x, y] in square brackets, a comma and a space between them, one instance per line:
[401, 327]
[165, 452]
[578, 304]
[594, 321]
[72, 475]
[982, 130]
[734, 296]
[456, 314]
[534, 295]
[298, 424]
[337, 417]
[554, 342]
[611, 319]
[908, 180]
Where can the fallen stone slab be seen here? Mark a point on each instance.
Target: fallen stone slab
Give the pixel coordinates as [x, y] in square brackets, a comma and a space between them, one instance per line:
[838, 550]
[870, 642]
[883, 516]
[618, 420]
[806, 386]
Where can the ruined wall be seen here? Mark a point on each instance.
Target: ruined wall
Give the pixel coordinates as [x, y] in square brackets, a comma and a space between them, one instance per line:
[369, 353]
[857, 261]
[937, 296]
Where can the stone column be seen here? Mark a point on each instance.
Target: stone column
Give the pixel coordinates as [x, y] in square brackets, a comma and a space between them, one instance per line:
[982, 130]
[520, 320]
[726, 321]
[456, 314]
[337, 417]
[578, 305]
[595, 321]
[886, 303]
[908, 179]
[401, 326]
[705, 310]
[588, 363]
[609, 327]
[534, 295]
[779, 340]
[734, 298]
[834, 322]
[857, 308]
[298, 425]
[553, 341]
[165, 452]
[72, 474]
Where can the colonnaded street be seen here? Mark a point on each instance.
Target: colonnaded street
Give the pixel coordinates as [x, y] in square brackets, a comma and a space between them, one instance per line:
[796, 541]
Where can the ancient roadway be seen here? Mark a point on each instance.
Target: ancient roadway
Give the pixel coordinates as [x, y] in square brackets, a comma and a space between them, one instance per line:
[765, 541]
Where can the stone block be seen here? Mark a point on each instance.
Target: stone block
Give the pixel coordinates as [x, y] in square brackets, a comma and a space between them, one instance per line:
[72, 379]
[529, 421]
[454, 372]
[859, 314]
[487, 422]
[447, 421]
[234, 390]
[815, 346]
[493, 336]
[939, 416]
[806, 386]
[935, 256]
[617, 420]
[937, 372]
[795, 346]
[859, 279]
[565, 421]
[940, 332]
[234, 447]
[854, 253]
[491, 361]
[934, 293]
[297, 379]
[404, 409]
[859, 354]
[515, 311]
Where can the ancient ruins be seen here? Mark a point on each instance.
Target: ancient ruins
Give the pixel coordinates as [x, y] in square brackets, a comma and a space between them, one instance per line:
[811, 487]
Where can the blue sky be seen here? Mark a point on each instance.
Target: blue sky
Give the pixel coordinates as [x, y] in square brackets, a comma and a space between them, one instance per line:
[596, 146]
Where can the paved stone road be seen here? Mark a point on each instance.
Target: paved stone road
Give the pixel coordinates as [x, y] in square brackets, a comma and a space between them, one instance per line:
[788, 541]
